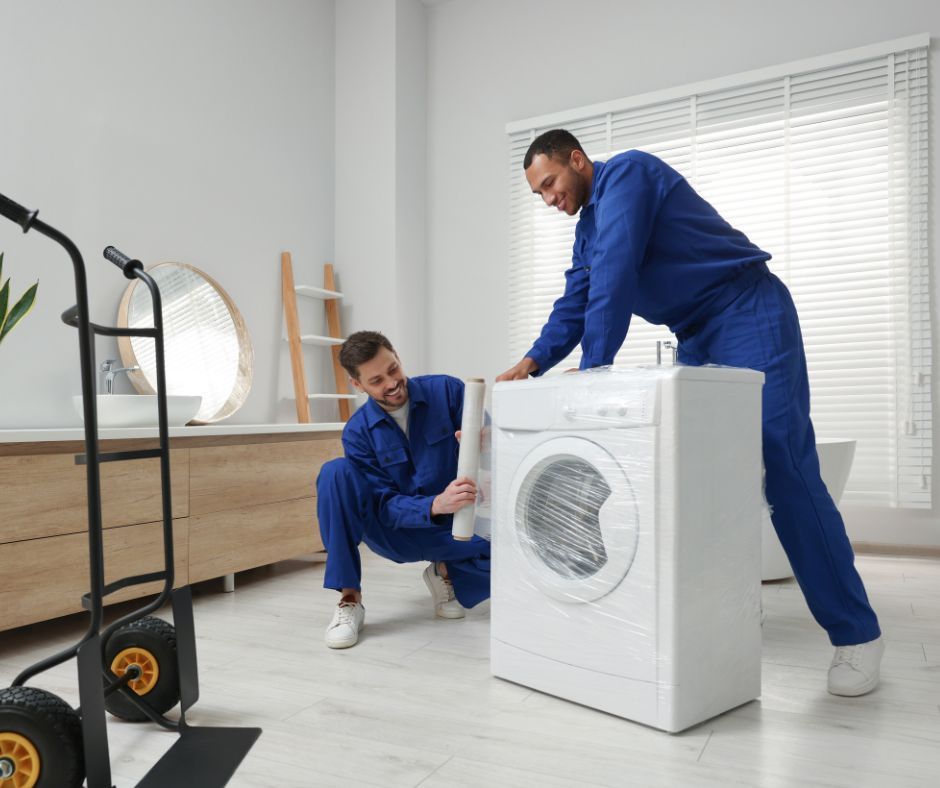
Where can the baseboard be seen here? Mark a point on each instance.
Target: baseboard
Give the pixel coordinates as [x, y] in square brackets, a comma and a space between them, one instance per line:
[909, 550]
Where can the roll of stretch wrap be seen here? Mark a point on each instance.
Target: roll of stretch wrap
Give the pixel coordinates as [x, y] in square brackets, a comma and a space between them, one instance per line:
[468, 460]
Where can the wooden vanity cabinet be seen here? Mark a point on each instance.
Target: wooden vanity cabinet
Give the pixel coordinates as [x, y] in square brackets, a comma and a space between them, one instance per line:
[238, 501]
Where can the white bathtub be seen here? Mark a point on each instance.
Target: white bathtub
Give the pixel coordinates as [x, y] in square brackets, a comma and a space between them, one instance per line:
[835, 463]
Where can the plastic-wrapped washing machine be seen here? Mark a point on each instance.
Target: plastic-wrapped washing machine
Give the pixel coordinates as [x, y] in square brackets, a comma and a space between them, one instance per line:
[627, 539]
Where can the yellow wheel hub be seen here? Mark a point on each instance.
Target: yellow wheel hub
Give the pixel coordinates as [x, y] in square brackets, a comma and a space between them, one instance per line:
[147, 664]
[19, 761]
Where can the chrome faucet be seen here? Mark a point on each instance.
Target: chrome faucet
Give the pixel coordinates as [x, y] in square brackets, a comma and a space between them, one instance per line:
[669, 345]
[112, 372]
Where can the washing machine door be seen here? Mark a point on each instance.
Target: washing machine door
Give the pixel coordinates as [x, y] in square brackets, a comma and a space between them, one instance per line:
[575, 519]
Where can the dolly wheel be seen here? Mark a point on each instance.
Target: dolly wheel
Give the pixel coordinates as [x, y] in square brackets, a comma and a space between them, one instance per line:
[19, 760]
[148, 669]
[147, 649]
[40, 740]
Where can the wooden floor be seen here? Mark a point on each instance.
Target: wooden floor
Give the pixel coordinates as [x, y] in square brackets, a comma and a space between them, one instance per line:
[414, 704]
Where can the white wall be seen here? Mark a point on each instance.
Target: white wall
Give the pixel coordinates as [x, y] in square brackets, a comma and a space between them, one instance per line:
[411, 183]
[491, 62]
[381, 173]
[199, 132]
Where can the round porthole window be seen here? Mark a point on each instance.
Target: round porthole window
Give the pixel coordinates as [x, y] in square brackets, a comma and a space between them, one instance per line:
[559, 506]
[575, 519]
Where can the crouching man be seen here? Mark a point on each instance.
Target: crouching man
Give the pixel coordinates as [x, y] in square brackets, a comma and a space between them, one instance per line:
[396, 489]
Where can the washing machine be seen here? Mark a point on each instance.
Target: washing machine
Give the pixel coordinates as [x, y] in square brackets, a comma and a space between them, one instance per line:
[627, 539]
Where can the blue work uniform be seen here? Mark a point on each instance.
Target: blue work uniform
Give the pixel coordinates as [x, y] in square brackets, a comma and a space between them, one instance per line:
[646, 243]
[381, 492]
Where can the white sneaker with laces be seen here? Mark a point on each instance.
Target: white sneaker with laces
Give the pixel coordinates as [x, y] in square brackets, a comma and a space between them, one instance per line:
[348, 619]
[442, 590]
[855, 669]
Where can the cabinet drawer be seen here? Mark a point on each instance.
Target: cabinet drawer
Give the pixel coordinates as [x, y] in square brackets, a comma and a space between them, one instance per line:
[223, 542]
[45, 495]
[45, 578]
[232, 477]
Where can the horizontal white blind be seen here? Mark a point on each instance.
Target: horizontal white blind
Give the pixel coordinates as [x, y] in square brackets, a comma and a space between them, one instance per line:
[826, 169]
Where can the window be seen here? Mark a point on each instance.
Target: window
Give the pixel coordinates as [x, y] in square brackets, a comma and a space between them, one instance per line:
[823, 164]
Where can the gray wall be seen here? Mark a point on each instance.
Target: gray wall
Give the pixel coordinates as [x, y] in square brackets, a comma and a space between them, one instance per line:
[199, 132]
[491, 62]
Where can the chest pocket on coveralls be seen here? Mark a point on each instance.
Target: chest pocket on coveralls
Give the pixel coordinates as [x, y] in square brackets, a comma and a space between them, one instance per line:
[395, 462]
[388, 458]
[436, 433]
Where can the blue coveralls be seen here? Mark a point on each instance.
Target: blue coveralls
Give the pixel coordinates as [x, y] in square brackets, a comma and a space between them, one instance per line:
[647, 243]
[381, 492]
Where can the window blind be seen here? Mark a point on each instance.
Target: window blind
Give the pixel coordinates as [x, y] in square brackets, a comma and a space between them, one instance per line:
[824, 165]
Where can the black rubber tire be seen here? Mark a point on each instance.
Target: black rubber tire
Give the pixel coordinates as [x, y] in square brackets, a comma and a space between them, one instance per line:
[52, 727]
[159, 638]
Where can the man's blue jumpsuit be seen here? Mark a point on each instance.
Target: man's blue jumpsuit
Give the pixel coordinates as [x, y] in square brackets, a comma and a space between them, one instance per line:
[646, 243]
[381, 492]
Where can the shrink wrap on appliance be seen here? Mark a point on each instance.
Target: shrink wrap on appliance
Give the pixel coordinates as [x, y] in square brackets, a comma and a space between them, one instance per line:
[483, 515]
[626, 531]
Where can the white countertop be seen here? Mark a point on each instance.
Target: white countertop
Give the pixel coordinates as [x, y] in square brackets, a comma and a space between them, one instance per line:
[27, 435]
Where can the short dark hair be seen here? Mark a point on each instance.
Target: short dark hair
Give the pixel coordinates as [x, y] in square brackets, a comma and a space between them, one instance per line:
[361, 347]
[557, 143]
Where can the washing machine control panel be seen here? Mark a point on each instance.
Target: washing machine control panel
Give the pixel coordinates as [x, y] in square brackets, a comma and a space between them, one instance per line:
[610, 406]
[609, 409]
[583, 401]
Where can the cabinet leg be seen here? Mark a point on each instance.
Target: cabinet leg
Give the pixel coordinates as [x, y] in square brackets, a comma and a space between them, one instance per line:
[228, 583]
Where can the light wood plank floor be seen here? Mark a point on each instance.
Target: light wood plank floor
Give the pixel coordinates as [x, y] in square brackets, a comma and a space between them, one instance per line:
[414, 704]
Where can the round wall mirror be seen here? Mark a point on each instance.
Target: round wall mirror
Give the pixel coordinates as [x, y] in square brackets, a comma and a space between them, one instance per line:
[207, 347]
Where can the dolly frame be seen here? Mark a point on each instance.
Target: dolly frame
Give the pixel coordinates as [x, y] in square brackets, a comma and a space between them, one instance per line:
[202, 756]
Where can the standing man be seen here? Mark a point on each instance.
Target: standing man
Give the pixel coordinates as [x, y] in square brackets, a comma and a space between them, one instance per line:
[395, 489]
[647, 243]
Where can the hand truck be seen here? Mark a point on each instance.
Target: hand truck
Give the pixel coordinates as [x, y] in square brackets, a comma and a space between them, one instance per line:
[140, 666]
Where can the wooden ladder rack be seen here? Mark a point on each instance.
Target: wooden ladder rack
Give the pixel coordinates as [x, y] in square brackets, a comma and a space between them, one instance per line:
[331, 298]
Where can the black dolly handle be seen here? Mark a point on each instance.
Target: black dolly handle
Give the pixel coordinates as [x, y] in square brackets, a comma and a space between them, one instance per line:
[122, 261]
[16, 213]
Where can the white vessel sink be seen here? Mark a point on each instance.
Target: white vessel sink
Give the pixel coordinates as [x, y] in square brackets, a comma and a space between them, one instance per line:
[140, 410]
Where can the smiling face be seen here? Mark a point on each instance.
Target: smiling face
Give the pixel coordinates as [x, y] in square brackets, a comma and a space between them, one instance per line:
[565, 185]
[383, 379]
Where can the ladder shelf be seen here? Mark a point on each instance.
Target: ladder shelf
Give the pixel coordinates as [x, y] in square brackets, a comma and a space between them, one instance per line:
[330, 297]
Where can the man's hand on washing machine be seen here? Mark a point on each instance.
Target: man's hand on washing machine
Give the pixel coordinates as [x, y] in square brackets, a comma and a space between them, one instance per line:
[459, 493]
[520, 371]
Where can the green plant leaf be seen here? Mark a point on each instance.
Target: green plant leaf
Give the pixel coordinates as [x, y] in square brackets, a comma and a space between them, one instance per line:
[4, 300]
[1, 265]
[19, 311]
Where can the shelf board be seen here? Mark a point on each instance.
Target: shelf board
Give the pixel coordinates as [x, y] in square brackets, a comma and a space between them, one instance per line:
[313, 339]
[316, 292]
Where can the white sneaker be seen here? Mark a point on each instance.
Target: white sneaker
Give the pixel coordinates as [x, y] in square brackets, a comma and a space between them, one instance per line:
[343, 630]
[445, 603]
[855, 669]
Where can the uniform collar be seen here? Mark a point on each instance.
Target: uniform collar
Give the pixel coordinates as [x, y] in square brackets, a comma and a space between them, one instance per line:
[598, 169]
[375, 414]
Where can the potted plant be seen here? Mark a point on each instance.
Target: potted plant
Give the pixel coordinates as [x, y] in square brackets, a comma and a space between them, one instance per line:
[19, 310]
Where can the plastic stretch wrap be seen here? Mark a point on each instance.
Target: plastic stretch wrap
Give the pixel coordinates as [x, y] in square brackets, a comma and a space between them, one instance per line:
[626, 526]
[483, 513]
[468, 459]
